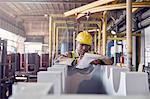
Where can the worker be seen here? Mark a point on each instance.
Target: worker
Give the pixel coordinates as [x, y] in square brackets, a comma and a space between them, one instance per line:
[82, 80]
[83, 45]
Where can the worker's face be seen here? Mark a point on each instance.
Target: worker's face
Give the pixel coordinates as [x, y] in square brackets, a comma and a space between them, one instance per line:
[82, 48]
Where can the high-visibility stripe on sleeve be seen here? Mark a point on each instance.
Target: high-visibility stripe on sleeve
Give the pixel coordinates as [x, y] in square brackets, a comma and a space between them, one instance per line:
[73, 54]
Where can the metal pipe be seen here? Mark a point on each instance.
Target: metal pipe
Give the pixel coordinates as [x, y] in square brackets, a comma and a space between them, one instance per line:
[129, 32]
[113, 7]
[145, 15]
[143, 24]
[124, 34]
[122, 29]
[142, 17]
[86, 7]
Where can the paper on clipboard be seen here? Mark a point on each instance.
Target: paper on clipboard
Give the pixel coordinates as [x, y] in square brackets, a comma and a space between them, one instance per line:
[87, 59]
[65, 61]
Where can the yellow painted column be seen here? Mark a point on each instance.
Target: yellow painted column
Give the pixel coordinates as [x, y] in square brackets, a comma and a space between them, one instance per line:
[104, 32]
[50, 40]
[139, 49]
[74, 41]
[54, 41]
[99, 37]
[129, 33]
[57, 41]
[95, 41]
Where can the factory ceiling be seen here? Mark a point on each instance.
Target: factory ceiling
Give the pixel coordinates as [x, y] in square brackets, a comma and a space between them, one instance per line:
[33, 13]
[29, 11]
[28, 8]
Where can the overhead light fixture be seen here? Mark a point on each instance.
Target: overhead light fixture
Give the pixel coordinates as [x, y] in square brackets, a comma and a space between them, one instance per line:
[45, 15]
[113, 32]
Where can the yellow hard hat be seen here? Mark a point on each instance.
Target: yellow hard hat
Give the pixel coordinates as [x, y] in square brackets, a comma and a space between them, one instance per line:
[84, 38]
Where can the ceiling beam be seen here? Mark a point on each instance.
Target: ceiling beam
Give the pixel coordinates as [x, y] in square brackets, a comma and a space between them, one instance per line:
[44, 2]
[93, 30]
[66, 27]
[42, 12]
[84, 22]
[123, 38]
[113, 7]
[124, 34]
[86, 7]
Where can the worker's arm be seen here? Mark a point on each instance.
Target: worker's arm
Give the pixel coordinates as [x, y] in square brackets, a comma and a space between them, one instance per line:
[103, 61]
[62, 57]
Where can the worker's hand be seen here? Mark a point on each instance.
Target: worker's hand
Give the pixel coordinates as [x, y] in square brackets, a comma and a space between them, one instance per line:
[107, 61]
[59, 57]
[96, 62]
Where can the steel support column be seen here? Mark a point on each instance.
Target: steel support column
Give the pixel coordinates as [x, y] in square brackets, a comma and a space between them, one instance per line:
[74, 41]
[50, 40]
[129, 33]
[95, 41]
[99, 37]
[54, 41]
[115, 50]
[57, 38]
[104, 33]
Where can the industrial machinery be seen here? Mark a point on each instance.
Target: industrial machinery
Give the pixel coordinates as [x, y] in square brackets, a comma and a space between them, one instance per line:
[7, 72]
[44, 61]
[147, 70]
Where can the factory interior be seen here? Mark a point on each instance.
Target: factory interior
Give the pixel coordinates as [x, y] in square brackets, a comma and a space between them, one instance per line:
[35, 36]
